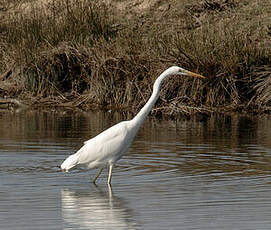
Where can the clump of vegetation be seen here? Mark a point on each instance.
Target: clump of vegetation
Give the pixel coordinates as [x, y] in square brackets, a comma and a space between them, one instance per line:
[212, 5]
[82, 53]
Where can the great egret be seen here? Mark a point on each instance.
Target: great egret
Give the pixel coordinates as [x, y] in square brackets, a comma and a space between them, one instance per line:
[109, 146]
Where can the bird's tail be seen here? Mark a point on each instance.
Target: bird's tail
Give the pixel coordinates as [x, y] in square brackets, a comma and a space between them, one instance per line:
[70, 162]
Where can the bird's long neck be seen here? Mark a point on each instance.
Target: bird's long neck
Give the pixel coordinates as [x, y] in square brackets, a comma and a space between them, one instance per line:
[143, 113]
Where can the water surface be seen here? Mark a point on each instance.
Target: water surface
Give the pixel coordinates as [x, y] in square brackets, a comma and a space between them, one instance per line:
[210, 174]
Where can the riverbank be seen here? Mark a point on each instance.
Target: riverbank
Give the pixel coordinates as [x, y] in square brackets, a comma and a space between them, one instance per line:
[107, 54]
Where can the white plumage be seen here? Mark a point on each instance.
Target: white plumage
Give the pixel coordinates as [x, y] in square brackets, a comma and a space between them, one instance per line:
[109, 146]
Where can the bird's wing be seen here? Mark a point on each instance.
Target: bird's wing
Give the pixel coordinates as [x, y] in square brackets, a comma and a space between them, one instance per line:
[106, 145]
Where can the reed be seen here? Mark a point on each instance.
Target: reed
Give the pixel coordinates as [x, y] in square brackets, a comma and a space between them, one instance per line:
[89, 53]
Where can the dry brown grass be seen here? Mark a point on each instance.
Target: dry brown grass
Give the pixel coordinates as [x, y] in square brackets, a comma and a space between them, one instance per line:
[261, 86]
[90, 53]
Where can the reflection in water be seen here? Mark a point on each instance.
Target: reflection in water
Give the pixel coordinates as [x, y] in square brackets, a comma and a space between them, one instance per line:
[94, 209]
[209, 174]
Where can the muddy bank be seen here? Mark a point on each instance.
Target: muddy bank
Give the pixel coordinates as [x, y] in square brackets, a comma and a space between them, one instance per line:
[106, 55]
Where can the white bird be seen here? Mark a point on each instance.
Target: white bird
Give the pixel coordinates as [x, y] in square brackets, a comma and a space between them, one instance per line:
[109, 146]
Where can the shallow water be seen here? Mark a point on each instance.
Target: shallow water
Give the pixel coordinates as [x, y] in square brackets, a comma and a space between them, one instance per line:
[210, 174]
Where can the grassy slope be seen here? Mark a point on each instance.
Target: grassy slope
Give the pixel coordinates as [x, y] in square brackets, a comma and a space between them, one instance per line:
[86, 53]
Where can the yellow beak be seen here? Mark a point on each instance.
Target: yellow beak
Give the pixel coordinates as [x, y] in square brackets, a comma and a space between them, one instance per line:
[193, 74]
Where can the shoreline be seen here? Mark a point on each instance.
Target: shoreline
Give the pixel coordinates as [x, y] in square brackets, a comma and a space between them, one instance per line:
[164, 112]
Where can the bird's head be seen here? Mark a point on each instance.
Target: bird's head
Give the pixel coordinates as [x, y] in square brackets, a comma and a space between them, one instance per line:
[176, 70]
[173, 70]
